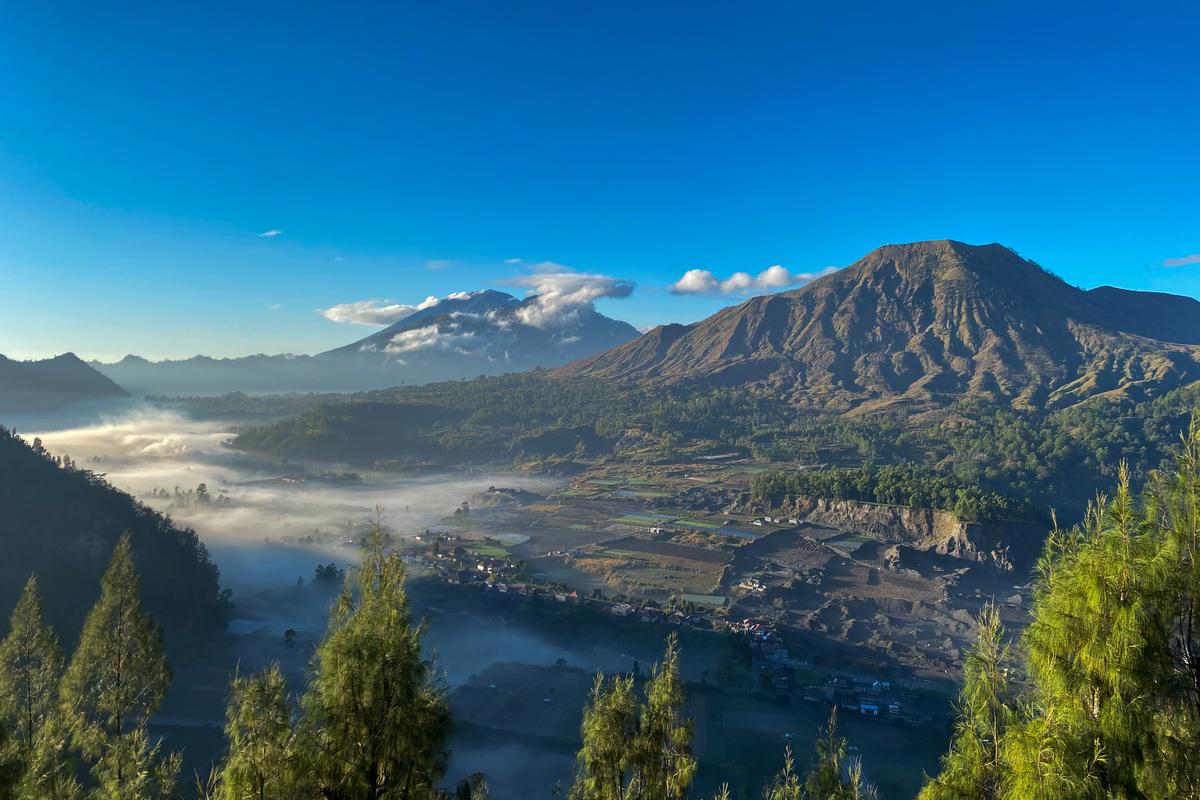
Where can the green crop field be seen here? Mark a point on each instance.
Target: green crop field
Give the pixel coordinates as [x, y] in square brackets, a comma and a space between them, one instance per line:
[634, 519]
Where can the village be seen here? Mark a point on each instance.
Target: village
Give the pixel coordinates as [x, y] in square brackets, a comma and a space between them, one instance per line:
[459, 561]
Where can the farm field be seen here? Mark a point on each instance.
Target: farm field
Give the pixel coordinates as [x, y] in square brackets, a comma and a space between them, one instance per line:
[670, 550]
[518, 703]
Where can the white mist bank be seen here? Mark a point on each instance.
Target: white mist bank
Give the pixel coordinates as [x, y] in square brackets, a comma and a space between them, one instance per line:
[140, 450]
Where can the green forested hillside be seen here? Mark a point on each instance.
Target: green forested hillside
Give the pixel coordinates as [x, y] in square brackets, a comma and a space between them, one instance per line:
[1056, 459]
[62, 523]
[909, 485]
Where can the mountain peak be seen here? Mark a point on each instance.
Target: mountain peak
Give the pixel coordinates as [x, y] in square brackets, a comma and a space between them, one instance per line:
[922, 323]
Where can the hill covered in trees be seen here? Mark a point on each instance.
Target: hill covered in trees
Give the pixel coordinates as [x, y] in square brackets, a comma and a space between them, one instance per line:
[927, 324]
[61, 523]
[38, 385]
[1055, 459]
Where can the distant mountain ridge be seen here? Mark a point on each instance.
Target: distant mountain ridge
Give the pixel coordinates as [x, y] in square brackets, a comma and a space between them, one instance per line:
[926, 323]
[39, 385]
[461, 336]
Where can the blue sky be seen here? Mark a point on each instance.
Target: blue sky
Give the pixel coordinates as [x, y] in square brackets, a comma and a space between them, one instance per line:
[145, 147]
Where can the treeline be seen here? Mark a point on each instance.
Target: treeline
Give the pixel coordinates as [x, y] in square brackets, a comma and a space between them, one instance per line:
[57, 520]
[911, 485]
[1110, 702]
[351, 431]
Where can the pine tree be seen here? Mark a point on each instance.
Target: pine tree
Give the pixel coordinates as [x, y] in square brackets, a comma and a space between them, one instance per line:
[823, 780]
[634, 748]
[261, 762]
[1112, 708]
[665, 764]
[117, 677]
[377, 715]
[608, 731]
[132, 767]
[31, 667]
[974, 768]
[1096, 643]
[788, 784]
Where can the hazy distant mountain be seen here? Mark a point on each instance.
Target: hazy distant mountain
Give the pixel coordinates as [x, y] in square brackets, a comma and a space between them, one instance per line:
[926, 323]
[461, 336]
[39, 385]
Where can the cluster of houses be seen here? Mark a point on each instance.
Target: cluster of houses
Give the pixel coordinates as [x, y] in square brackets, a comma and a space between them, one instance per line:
[458, 566]
[764, 640]
[775, 521]
[864, 695]
[647, 614]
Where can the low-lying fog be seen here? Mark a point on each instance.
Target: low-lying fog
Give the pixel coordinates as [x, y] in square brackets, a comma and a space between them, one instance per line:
[152, 453]
[252, 532]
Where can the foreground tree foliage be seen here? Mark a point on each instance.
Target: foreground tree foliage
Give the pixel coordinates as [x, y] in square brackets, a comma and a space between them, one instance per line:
[636, 747]
[374, 722]
[116, 679]
[1112, 704]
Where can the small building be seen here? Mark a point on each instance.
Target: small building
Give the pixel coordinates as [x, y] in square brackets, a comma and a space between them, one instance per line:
[869, 708]
[461, 576]
[815, 694]
[622, 610]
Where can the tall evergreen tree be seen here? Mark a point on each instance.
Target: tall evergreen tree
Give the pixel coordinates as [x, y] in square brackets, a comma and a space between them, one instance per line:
[665, 764]
[1112, 708]
[261, 764]
[31, 667]
[117, 677]
[823, 780]
[377, 715]
[635, 748]
[608, 731]
[974, 768]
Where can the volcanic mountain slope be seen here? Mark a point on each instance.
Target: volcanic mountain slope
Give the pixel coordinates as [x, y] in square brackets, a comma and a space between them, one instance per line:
[924, 324]
[460, 336]
[498, 329]
[38, 385]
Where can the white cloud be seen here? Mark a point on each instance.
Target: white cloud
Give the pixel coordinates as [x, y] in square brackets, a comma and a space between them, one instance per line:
[562, 294]
[431, 338]
[270, 233]
[696, 281]
[374, 312]
[512, 261]
[1182, 262]
[437, 264]
[702, 281]
[277, 306]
